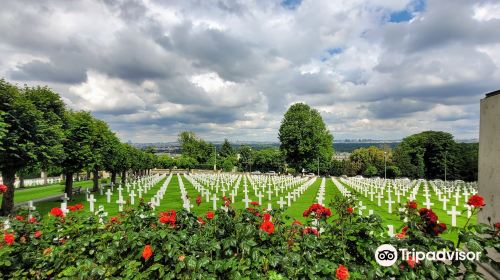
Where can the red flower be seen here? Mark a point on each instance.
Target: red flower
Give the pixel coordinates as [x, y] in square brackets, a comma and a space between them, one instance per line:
[114, 219]
[428, 215]
[267, 226]
[254, 203]
[412, 205]
[32, 220]
[310, 230]
[147, 252]
[497, 225]
[350, 210]
[168, 217]
[201, 221]
[439, 228]
[210, 215]
[411, 262]
[318, 210]
[296, 223]
[3, 188]
[57, 212]
[342, 273]
[227, 203]
[198, 200]
[19, 218]
[267, 217]
[402, 234]
[38, 234]
[79, 206]
[476, 201]
[9, 238]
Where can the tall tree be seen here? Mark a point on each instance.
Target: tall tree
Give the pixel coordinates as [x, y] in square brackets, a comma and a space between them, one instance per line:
[305, 139]
[426, 154]
[226, 149]
[102, 142]
[246, 157]
[33, 132]
[77, 145]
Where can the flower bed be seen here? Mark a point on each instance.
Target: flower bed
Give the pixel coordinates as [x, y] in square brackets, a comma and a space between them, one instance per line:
[250, 243]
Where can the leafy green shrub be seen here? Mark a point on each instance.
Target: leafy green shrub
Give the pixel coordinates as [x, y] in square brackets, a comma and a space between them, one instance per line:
[246, 244]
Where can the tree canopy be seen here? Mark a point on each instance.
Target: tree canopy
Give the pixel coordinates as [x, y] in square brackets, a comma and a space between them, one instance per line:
[305, 139]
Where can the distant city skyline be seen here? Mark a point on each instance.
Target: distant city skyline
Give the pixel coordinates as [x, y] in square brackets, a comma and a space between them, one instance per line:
[380, 69]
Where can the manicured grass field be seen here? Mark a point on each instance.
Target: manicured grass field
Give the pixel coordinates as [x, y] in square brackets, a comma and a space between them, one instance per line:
[172, 200]
[32, 193]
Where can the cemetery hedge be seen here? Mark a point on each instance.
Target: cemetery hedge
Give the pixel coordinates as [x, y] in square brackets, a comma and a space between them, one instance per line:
[247, 244]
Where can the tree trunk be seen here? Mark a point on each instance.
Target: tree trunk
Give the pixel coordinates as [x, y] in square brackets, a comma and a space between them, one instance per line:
[113, 178]
[124, 177]
[68, 185]
[21, 181]
[9, 177]
[95, 178]
[44, 177]
[88, 175]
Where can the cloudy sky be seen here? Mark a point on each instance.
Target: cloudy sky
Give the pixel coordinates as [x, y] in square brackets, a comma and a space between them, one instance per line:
[380, 69]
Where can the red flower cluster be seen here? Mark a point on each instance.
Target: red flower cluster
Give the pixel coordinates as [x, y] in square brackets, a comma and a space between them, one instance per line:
[57, 212]
[168, 217]
[210, 215]
[497, 225]
[318, 210]
[37, 234]
[227, 201]
[411, 262]
[254, 203]
[9, 238]
[402, 234]
[75, 207]
[430, 219]
[267, 217]
[267, 226]
[412, 205]
[114, 219]
[32, 220]
[147, 252]
[254, 211]
[296, 223]
[476, 201]
[19, 218]
[428, 215]
[201, 221]
[310, 230]
[3, 188]
[198, 200]
[350, 210]
[342, 273]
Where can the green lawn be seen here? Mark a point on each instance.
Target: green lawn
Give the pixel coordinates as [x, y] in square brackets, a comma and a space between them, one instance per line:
[172, 200]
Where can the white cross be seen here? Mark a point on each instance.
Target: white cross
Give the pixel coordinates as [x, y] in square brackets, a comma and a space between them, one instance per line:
[269, 206]
[269, 193]
[379, 197]
[289, 197]
[454, 213]
[214, 200]
[260, 196]
[428, 204]
[370, 212]
[232, 197]
[457, 197]
[389, 205]
[120, 202]
[281, 202]
[469, 208]
[132, 197]
[361, 208]
[65, 198]
[391, 230]
[91, 202]
[30, 208]
[64, 207]
[247, 201]
[108, 196]
[444, 200]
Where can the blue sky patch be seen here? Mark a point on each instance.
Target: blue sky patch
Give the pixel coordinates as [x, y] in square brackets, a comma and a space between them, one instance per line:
[408, 13]
[291, 4]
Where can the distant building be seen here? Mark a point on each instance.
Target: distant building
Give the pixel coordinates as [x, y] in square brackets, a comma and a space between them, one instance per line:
[341, 156]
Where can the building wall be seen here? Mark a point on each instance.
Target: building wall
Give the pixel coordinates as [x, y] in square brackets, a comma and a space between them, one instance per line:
[489, 157]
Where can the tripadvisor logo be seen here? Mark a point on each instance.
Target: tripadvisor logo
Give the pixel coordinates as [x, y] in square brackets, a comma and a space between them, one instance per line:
[387, 255]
